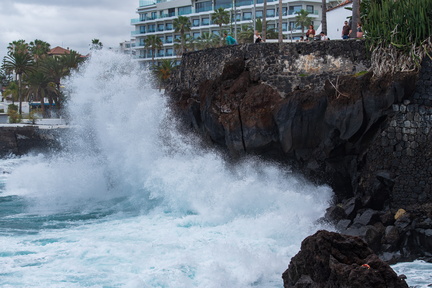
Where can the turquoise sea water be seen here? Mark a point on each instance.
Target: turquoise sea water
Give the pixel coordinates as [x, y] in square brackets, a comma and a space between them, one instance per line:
[133, 203]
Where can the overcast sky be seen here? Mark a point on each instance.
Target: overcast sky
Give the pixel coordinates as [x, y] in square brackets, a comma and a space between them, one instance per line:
[66, 23]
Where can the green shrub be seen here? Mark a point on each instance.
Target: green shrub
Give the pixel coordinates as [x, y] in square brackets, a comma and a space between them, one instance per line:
[14, 116]
[12, 107]
[399, 33]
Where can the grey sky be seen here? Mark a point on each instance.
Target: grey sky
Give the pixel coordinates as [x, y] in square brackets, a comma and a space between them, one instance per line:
[67, 23]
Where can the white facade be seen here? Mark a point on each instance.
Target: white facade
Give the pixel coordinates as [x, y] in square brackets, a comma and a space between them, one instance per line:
[127, 47]
[336, 18]
[156, 18]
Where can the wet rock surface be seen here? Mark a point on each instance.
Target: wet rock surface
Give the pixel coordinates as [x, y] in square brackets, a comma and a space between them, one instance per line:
[328, 259]
[313, 106]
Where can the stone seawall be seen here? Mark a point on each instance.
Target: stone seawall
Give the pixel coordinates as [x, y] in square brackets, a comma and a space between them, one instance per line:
[403, 149]
[19, 140]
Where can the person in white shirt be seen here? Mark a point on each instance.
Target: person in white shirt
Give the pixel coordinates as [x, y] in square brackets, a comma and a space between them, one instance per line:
[323, 36]
[257, 37]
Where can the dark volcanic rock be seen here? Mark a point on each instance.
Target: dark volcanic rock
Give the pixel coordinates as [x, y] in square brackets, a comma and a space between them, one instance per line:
[328, 259]
[315, 107]
[23, 139]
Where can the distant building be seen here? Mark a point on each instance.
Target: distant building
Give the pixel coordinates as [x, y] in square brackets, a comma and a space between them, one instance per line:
[336, 17]
[58, 51]
[156, 18]
[127, 47]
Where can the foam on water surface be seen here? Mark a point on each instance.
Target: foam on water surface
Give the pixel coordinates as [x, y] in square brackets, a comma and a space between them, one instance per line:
[132, 202]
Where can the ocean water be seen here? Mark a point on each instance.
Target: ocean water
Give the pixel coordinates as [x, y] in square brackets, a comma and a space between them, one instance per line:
[132, 202]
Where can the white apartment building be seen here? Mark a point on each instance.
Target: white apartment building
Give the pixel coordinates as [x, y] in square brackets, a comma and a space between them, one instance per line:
[156, 18]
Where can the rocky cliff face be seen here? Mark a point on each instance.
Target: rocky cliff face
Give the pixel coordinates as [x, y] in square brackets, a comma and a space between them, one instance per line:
[315, 107]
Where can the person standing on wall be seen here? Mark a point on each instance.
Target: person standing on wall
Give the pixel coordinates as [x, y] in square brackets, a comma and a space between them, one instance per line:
[310, 33]
[346, 30]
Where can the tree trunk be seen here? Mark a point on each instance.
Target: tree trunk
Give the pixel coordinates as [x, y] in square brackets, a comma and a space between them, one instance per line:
[355, 18]
[264, 23]
[280, 22]
[41, 97]
[19, 94]
[324, 17]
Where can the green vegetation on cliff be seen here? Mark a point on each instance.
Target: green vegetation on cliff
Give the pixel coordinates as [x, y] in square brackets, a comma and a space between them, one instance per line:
[399, 33]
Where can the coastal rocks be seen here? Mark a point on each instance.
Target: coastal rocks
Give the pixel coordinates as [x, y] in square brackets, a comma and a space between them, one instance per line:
[19, 140]
[328, 259]
[394, 234]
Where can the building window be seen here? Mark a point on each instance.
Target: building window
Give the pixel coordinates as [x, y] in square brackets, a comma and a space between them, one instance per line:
[284, 26]
[171, 12]
[152, 28]
[162, 38]
[215, 32]
[310, 9]
[161, 53]
[195, 22]
[293, 26]
[184, 10]
[238, 17]
[270, 13]
[153, 15]
[196, 35]
[205, 21]
[259, 14]
[143, 16]
[142, 29]
[223, 4]
[169, 39]
[203, 6]
[169, 26]
[160, 27]
[243, 2]
[271, 27]
[294, 9]
[169, 52]
[177, 37]
[284, 11]
[247, 15]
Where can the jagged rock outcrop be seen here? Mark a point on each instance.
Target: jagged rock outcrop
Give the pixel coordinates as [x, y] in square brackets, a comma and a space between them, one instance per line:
[315, 107]
[19, 140]
[328, 259]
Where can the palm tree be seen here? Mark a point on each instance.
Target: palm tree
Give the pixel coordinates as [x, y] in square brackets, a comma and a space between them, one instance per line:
[324, 17]
[39, 86]
[39, 49]
[302, 19]
[355, 18]
[264, 21]
[72, 60]
[55, 69]
[182, 25]
[280, 36]
[246, 34]
[163, 72]
[12, 91]
[153, 43]
[96, 45]
[220, 17]
[21, 63]
[18, 46]
[207, 40]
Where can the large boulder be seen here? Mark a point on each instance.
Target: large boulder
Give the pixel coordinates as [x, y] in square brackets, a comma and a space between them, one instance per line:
[329, 259]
